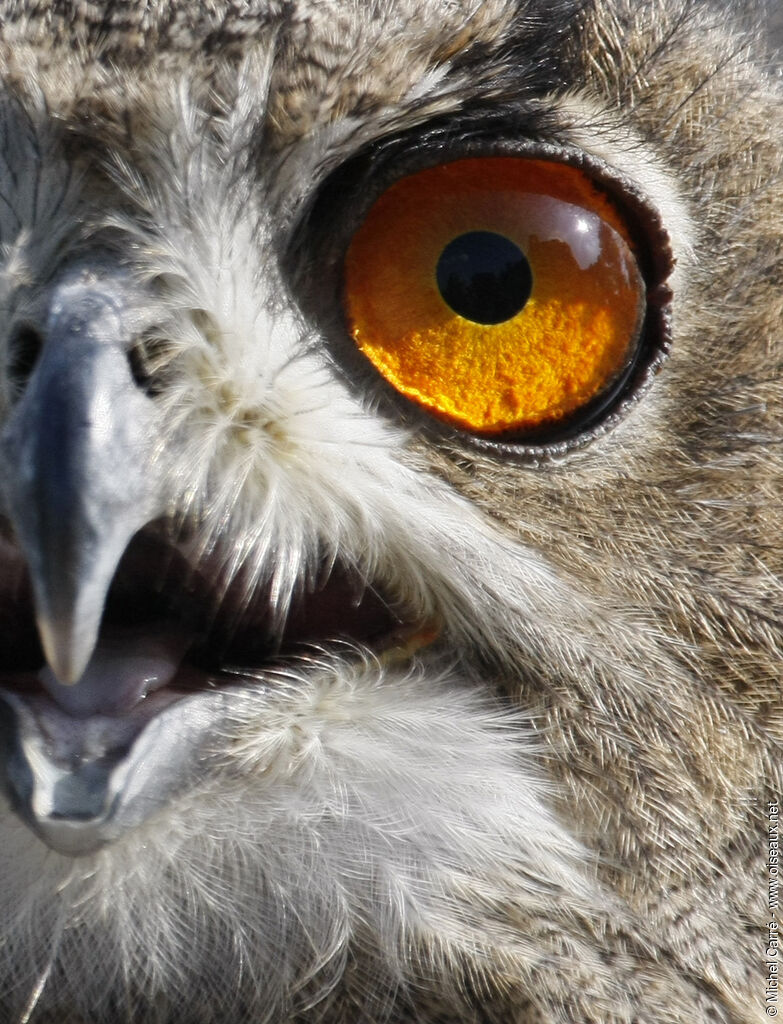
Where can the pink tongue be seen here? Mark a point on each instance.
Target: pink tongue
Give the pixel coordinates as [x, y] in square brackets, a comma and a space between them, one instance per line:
[127, 664]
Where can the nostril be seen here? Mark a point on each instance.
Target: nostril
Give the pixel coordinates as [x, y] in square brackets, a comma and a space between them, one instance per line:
[147, 359]
[138, 367]
[24, 350]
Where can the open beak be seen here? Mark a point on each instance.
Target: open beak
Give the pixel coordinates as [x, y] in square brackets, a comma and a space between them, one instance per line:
[79, 469]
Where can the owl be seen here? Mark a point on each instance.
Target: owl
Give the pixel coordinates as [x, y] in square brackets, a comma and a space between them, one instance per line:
[390, 499]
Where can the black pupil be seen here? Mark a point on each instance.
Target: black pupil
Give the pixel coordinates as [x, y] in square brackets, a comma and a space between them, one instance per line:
[484, 277]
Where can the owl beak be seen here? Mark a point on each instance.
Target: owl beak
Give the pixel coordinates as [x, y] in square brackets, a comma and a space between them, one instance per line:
[78, 469]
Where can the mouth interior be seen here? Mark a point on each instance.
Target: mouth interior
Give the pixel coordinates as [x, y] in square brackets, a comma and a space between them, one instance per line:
[175, 628]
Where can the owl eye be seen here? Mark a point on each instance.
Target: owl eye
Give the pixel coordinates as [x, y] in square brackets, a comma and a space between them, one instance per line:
[500, 294]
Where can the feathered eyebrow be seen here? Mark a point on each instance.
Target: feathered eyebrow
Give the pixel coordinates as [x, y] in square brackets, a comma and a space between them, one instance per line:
[362, 152]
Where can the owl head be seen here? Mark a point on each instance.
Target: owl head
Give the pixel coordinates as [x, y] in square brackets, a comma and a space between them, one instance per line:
[389, 427]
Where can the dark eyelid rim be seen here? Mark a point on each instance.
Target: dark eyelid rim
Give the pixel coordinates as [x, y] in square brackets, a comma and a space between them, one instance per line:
[339, 207]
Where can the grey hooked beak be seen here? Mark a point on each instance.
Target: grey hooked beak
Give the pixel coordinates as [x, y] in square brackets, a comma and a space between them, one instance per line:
[78, 468]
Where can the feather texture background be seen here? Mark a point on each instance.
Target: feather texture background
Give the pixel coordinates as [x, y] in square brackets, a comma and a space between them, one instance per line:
[543, 797]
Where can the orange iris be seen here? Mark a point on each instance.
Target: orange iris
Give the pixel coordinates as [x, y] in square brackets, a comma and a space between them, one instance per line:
[500, 293]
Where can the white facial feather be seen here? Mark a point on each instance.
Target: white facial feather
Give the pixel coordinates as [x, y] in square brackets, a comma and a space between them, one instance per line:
[369, 805]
